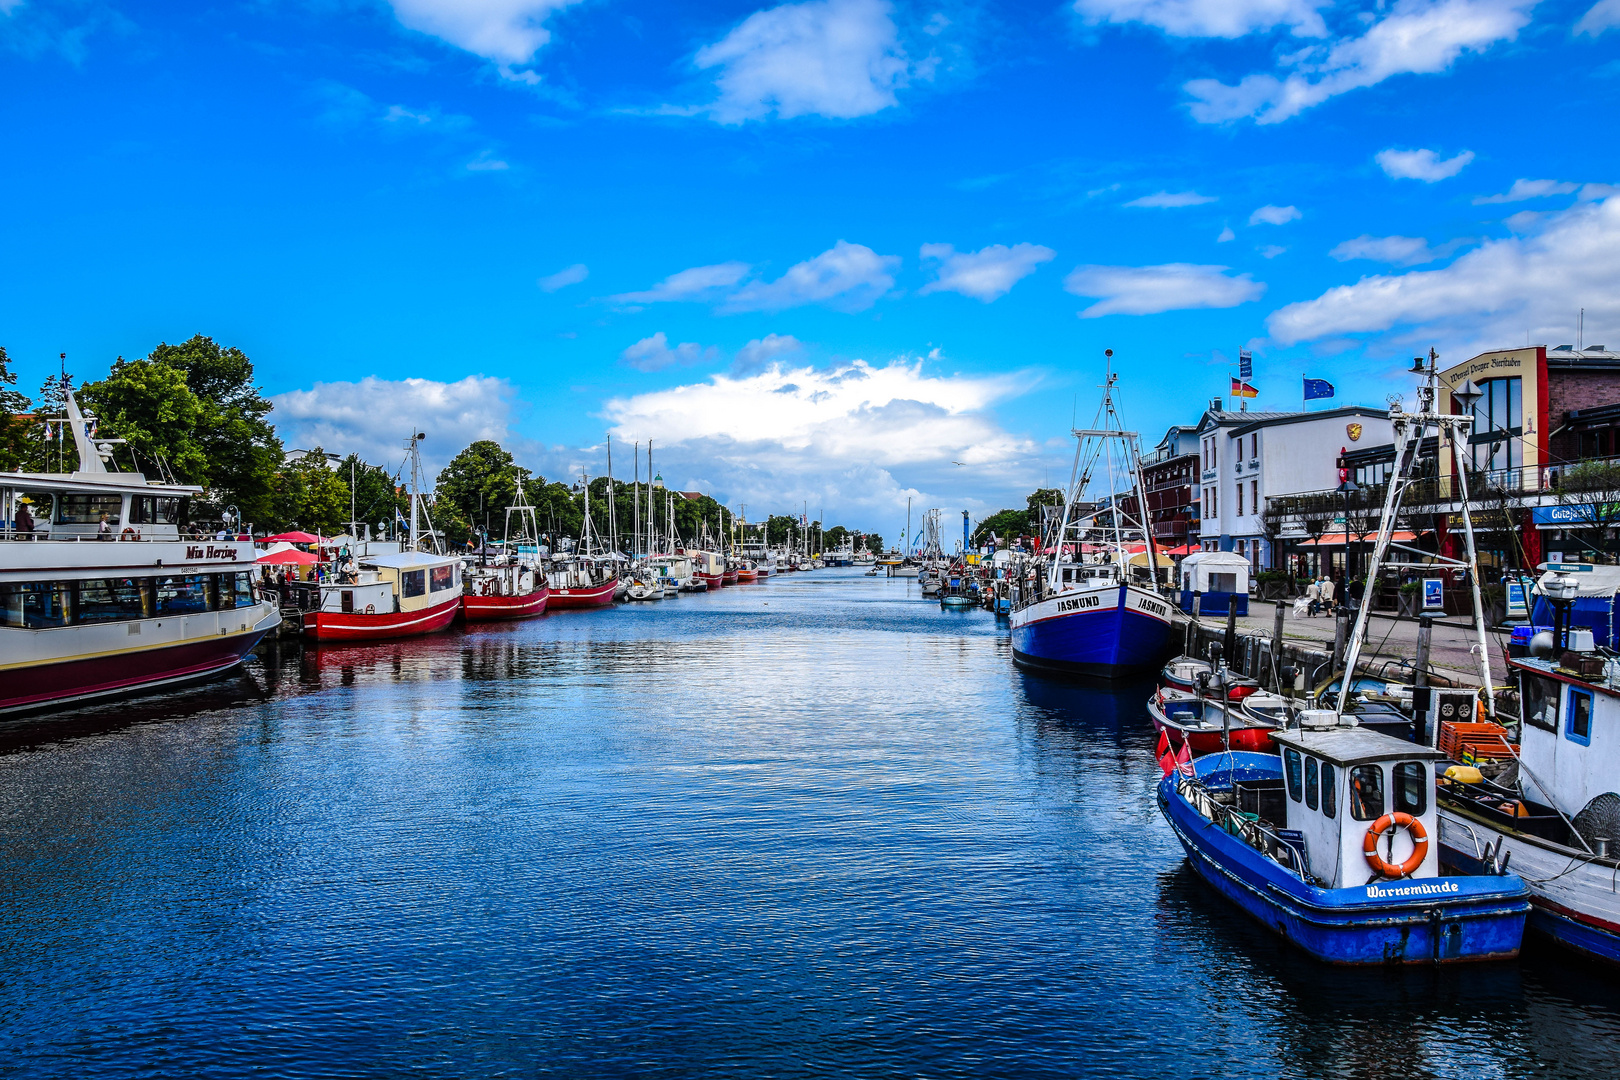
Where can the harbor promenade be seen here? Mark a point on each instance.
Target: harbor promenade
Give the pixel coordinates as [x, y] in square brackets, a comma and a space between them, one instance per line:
[1451, 650]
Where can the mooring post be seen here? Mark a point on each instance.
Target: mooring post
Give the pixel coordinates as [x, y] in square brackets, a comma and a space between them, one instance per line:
[1276, 646]
[1229, 644]
[1341, 630]
[1425, 634]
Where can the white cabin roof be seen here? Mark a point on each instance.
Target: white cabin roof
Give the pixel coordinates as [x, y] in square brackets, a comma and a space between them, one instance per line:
[1346, 746]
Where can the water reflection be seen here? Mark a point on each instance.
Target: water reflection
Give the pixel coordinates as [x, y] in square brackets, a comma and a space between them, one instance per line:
[816, 827]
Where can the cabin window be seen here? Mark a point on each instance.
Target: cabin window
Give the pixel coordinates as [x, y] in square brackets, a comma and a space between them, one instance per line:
[1310, 782]
[1291, 756]
[41, 507]
[36, 605]
[154, 510]
[182, 595]
[1330, 791]
[443, 578]
[109, 600]
[87, 509]
[413, 583]
[1411, 788]
[1366, 792]
[1540, 698]
[1578, 726]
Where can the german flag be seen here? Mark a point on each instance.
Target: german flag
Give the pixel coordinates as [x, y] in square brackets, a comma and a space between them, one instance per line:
[1243, 389]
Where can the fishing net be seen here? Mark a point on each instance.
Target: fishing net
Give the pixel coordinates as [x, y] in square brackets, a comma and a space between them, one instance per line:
[1600, 819]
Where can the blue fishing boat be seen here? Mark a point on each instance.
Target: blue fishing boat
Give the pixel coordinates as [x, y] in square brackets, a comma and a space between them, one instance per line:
[1091, 612]
[1328, 845]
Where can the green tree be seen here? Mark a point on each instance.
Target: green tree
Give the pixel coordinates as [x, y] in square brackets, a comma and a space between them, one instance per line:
[310, 495]
[476, 488]
[1004, 524]
[150, 407]
[233, 431]
[13, 429]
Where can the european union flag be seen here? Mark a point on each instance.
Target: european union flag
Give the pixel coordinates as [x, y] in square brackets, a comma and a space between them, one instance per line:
[1317, 388]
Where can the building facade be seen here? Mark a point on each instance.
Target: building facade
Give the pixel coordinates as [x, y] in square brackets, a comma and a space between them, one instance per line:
[1170, 474]
[1246, 458]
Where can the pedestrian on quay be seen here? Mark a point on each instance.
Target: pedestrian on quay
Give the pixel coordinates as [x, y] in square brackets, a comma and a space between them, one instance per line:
[1326, 593]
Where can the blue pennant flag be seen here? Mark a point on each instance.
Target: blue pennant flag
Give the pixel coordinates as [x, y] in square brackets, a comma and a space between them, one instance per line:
[1245, 364]
[1317, 388]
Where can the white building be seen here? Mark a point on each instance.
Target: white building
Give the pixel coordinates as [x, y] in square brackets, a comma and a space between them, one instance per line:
[1249, 457]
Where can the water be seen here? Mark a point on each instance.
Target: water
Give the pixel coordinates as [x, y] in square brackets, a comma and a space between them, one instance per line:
[815, 827]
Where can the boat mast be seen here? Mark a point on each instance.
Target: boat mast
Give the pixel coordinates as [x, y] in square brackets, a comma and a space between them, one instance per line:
[1410, 428]
[613, 519]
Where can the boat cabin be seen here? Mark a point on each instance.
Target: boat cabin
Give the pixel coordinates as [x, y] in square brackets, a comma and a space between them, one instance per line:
[1570, 739]
[1220, 578]
[408, 581]
[1086, 576]
[1338, 781]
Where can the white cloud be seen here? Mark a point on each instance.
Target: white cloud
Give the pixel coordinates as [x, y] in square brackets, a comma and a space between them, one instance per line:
[758, 353]
[1271, 251]
[1274, 215]
[487, 162]
[1422, 165]
[1399, 250]
[572, 275]
[849, 277]
[1210, 18]
[1148, 290]
[838, 437]
[986, 274]
[374, 417]
[1416, 37]
[834, 58]
[1529, 189]
[654, 353]
[508, 32]
[697, 283]
[1493, 294]
[1172, 200]
[1603, 15]
[1226, 235]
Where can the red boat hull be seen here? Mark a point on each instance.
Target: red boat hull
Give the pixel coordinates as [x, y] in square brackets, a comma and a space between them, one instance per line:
[731, 577]
[1236, 693]
[125, 673]
[747, 575]
[1255, 740]
[714, 581]
[497, 608]
[592, 597]
[358, 626]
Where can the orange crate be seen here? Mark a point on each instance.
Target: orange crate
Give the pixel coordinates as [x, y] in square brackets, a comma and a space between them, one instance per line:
[1486, 740]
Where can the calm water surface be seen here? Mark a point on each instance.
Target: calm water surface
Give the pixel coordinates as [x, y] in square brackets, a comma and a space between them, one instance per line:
[811, 827]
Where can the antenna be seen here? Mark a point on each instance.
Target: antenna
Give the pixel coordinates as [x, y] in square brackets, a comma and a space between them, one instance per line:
[1580, 330]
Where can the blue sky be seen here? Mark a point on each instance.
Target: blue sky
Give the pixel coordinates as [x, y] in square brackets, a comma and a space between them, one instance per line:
[818, 252]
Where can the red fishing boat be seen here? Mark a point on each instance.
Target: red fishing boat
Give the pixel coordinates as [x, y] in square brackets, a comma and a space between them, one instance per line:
[580, 582]
[709, 567]
[730, 576]
[1182, 674]
[746, 572]
[505, 591]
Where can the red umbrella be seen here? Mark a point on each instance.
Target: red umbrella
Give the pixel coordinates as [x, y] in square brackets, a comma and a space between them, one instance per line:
[291, 555]
[293, 538]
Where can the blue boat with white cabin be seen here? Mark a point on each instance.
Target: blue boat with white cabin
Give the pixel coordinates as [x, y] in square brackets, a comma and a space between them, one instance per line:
[1088, 613]
[1329, 845]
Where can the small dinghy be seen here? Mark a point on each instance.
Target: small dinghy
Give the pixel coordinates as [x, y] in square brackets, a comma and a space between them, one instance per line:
[1206, 725]
[1183, 672]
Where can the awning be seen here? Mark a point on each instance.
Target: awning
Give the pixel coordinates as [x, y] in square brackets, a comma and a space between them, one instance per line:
[289, 556]
[1337, 539]
[1184, 549]
[293, 538]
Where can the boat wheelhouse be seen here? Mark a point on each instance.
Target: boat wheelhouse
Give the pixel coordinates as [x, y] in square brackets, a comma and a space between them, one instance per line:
[103, 591]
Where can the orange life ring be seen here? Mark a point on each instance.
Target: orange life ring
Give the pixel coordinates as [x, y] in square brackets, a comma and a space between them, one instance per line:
[1420, 845]
[127, 534]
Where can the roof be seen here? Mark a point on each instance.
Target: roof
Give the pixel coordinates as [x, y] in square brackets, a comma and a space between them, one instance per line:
[408, 560]
[1275, 419]
[1215, 558]
[1347, 746]
[1593, 356]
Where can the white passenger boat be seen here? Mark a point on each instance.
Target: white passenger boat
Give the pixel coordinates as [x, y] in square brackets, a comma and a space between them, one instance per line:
[103, 593]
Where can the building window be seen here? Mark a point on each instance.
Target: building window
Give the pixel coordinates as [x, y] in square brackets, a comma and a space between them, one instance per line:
[1254, 495]
[1498, 424]
[1240, 500]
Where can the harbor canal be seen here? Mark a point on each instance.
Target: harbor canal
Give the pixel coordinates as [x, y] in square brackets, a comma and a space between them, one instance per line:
[812, 827]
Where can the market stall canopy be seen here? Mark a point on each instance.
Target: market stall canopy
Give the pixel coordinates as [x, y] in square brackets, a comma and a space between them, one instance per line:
[288, 556]
[1337, 539]
[294, 538]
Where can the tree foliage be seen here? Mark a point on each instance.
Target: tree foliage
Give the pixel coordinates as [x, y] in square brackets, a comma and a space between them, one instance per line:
[309, 495]
[474, 490]
[13, 429]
